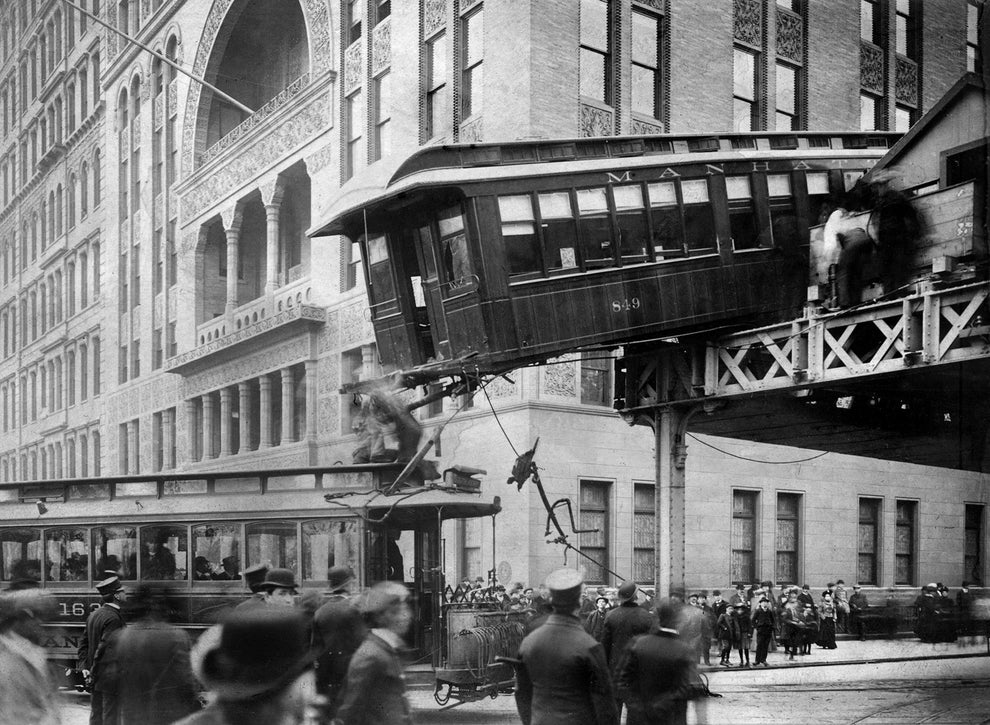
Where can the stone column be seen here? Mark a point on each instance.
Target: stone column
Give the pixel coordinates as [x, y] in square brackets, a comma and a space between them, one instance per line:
[168, 439]
[225, 419]
[208, 427]
[311, 401]
[265, 410]
[233, 236]
[244, 416]
[271, 250]
[191, 419]
[288, 406]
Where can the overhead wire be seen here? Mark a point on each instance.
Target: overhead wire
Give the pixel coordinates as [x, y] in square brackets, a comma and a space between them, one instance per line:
[755, 460]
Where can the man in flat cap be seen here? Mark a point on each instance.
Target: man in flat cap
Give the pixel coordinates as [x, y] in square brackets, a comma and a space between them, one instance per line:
[96, 668]
[338, 630]
[563, 676]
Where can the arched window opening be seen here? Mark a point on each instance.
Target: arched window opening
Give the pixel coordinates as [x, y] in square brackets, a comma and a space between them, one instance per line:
[214, 263]
[294, 216]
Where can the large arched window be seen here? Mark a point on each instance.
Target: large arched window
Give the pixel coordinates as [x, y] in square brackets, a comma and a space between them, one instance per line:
[123, 109]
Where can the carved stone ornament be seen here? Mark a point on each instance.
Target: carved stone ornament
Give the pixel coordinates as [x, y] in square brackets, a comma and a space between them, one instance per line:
[271, 358]
[434, 16]
[747, 21]
[645, 128]
[352, 67]
[595, 121]
[500, 388]
[354, 324]
[381, 46]
[320, 160]
[472, 131]
[560, 379]
[871, 67]
[790, 40]
[906, 81]
[318, 25]
[655, 4]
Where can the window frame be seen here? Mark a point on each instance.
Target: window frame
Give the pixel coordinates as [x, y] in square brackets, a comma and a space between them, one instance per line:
[906, 525]
[737, 536]
[600, 575]
[795, 553]
[875, 521]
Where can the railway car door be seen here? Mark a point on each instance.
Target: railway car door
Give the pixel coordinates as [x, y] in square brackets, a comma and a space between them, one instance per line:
[411, 556]
[431, 289]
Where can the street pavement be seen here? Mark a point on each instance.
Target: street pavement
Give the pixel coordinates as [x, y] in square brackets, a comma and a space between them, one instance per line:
[876, 682]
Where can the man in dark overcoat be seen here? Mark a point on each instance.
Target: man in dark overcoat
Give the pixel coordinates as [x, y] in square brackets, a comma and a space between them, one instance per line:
[563, 676]
[656, 672]
[622, 624]
[96, 667]
[154, 683]
[338, 630]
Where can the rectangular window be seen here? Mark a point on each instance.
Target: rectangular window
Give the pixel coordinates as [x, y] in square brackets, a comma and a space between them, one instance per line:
[595, 58]
[745, 112]
[869, 541]
[437, 98]
[786, 115]
[788, 538]
[646, 63]
[522, 246]
[973, 10]
[784, 228]
[973, 554]
[135, 359]
[868, 14]
[644, 533]
[124, 452]
[355, 14]
[905, 542]
[472, 79]
[665, 213]
[595, 227]
[557, 228]
[744, 536]
[382, 285]
[744, 224]
[596, 378]
[157, 442]
[902, 118]
[869, 112]
[171, 347]
[594, 514]
[157, 351]
[904, 30]
[630, 223]
[383, 94]
[699, 217]
[355, 133]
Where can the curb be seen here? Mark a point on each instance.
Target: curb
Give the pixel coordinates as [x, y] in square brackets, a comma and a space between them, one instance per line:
[869, 661]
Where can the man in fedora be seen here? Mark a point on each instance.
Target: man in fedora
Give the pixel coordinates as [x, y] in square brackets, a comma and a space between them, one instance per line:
[375, 690]
[338, 630]
[257, 664]
[280, 587]
[563, 677]
[254, 577]
[97, 668]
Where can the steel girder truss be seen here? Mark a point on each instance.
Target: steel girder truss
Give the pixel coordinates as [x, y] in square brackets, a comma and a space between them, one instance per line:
[929, 328]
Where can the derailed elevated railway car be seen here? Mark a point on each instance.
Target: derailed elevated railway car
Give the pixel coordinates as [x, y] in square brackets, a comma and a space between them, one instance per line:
[509, 253]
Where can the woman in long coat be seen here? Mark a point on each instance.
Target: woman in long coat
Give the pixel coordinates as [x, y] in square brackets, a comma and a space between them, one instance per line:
[826, 624]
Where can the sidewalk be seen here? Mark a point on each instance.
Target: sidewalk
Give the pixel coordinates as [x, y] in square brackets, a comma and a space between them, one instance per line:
[851, 651]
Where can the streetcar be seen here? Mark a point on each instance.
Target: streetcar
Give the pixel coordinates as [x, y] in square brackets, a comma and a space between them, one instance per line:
[490, 256]
[191, 535]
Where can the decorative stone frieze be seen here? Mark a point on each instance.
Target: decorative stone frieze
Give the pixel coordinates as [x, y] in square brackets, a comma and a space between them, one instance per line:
[906, 81]
[560, 379]
[501, 388]
[434, 16]
[352, 67]
[381, 47]
[320, 160]
[747, 21]
[272, 357]
[655, 4]
[790, 35]
[871, 67]
[472, 131]
[639, 127]
[354, 324]
[595, 121]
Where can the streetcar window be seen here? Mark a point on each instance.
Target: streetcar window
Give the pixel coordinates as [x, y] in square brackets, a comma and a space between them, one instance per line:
[426, 244]
[744, 227]
[274, 544]
[66, 554]
[522, 247]
[115, 549]
[668, 233]
[783, 218]
[327, 544]
[450, 221]
[596, 227]
[631, 221]
[454, 248]
[557, 225]
[382, 286]
[818, 196]
[216, 552]
[699, 218]
[164, 553]
[20, 554]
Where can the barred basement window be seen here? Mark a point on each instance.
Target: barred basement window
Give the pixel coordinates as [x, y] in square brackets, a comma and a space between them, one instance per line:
[869, 541]
[744, 536]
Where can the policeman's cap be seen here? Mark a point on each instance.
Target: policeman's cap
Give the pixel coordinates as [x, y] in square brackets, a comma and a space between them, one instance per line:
[109, 586]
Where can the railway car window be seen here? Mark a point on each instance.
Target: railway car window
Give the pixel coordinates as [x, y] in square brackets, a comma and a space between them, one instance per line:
[596, 227]
[668, 232]
[20, 554]
[699, 217]
[743, 224]
[818, 195]
[164, 553]
[67, 554]
[453, 244]
[216, 552]
[426, 244]
[275, 544]
[326, 544]
[631, 221]
[783, 219]
[382, 285]
[115, 548]
[522, 247]
[557, 225]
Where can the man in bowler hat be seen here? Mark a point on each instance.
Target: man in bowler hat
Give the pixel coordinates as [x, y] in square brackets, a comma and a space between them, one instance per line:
[622, 624]
[280, 587]
[338, 630]
[257, 665]
[96, 667]
[563, 676]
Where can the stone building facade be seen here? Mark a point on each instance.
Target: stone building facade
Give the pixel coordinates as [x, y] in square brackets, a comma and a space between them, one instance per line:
[163, 308]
